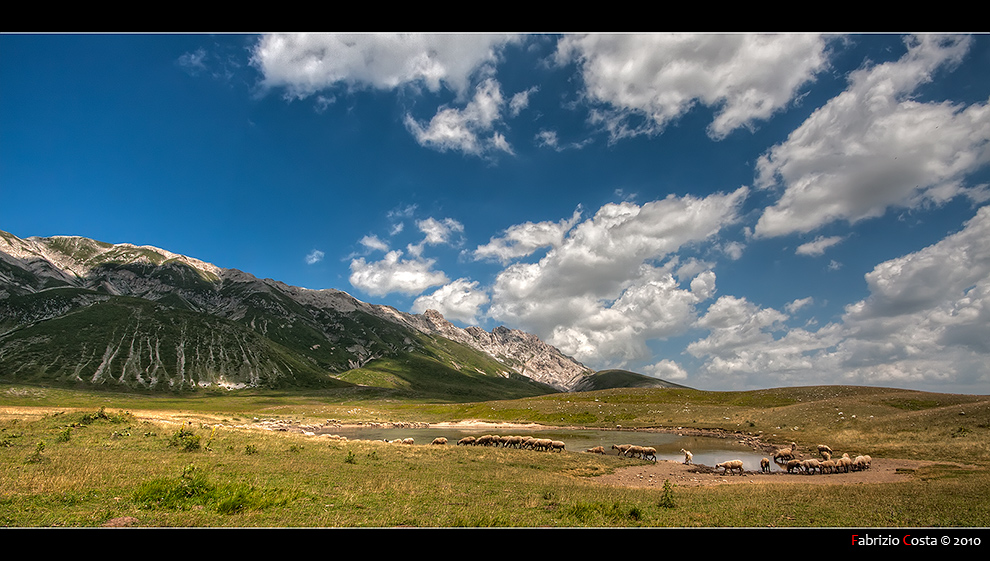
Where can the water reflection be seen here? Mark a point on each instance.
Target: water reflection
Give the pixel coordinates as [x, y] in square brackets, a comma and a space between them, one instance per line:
[706, 450]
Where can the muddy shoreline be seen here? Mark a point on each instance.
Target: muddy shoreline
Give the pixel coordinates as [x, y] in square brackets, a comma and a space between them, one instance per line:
[749, 440]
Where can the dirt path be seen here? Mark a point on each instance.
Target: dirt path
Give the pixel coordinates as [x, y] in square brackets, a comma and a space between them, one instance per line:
[882, 471]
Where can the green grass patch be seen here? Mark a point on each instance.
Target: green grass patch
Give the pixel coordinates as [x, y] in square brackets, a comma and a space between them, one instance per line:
[81, 459]
[194, 489]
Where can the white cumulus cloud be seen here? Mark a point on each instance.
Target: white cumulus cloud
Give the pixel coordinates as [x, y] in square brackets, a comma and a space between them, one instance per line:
[521, 240]
[460, 300]
[306, 63]
[873, 147]
[469, 129]
[395, 274]
[597, 294]
[646, 81]
[924, 323]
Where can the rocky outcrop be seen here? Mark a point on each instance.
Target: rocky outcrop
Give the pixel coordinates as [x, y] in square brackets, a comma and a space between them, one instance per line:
[524, 352]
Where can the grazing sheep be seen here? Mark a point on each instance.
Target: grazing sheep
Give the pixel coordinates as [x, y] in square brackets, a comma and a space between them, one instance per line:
[765, 465]
[512, 441]
[597, 450]
[730, 466]
[792, 465]
[556, 445]
[688, 456]
[486, 440]
[785, 453]
[407, 441]
[823, 449]
[861, 463]
[644, 452]
[622, 448]
[466, 441]
[828, 466]
[826, 455]
[844, 463]
[439, 441]
[810, 465]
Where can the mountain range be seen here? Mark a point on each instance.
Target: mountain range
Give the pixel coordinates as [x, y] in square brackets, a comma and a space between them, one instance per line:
[79, 311]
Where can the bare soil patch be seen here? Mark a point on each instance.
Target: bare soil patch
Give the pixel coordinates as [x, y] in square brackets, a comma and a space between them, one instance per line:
[653, 475]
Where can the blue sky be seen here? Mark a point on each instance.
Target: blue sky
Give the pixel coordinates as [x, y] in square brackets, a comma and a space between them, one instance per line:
[723, 211]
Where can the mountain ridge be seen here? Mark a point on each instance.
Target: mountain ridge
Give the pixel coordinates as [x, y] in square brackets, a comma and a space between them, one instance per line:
[327, 329]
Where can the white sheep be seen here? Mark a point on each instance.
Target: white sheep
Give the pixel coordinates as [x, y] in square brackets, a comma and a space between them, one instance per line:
[407, 441]
[844, 463]
[622, 448]
[823, 449]
[792, 465]
[785, 453]
[466, 441]
[730, 466]
[861, 463]
[688, 456]
[512, 441]
[828, 466]
[765, 465]
[556, 445]
[649, 452]
[439, 441]
[643, 452]
[810, 465]
[596, 450]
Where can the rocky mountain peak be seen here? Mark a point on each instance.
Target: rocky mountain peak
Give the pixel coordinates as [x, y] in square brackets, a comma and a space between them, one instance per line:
[266, 306]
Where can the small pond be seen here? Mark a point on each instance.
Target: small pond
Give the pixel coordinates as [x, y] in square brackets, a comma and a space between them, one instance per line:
[706, 450]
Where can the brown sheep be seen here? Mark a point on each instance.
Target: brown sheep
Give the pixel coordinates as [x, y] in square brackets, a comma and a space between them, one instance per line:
[765, 465]
[596, 450]
[439, 440]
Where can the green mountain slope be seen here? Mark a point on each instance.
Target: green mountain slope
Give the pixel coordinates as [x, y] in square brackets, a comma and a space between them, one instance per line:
[615, 378]
[76, 311]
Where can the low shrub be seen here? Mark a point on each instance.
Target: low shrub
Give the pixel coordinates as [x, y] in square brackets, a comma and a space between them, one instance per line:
[184, 439]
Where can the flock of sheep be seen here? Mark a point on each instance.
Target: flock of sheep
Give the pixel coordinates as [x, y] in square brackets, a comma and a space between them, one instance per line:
[520, 442]
[785, 458]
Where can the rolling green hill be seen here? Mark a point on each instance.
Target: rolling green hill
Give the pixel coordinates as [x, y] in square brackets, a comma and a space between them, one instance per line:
[615, 378]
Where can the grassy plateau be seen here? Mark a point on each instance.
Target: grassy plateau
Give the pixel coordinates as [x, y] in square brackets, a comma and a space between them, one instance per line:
[74, 458]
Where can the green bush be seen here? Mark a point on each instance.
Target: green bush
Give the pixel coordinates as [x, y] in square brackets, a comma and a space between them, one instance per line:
[185, 439]
[667, 500]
